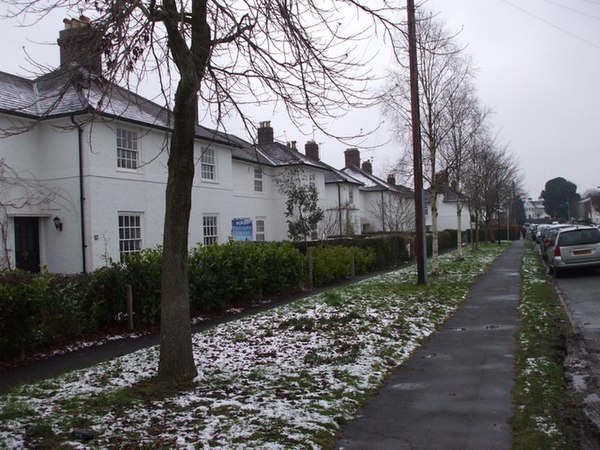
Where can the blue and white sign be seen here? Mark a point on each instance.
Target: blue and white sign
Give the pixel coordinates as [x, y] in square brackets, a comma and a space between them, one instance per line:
[241, 229]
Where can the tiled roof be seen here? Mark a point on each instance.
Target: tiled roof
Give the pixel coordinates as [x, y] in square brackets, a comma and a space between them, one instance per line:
[277, 155]
[448, 194]
[372, 183]
[61, 93]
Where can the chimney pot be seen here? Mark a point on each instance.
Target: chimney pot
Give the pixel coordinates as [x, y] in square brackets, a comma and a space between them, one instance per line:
[311, 149]
[79, 44]
[352, 157]
[391, 179]
[367, 167]
[265, 133]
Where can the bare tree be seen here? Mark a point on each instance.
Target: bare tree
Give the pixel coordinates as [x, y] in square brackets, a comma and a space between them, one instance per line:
[442, 70]
[227, 54]
[330, 225]
[467, 122]
[491, 178]
[395, 211]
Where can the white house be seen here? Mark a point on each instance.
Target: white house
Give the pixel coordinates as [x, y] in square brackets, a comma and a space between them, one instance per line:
[587, 209]
[534, 209]
[86, 183]
[256, 170]
[379, 205]
[446, 206]
[83, 173]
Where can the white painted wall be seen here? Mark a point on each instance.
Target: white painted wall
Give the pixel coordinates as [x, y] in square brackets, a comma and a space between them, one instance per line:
[447, 215]
[49, 152]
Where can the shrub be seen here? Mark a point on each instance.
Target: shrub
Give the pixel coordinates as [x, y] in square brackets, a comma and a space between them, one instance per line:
[333, 263]
[39, 310]
[242, 271]
[61, 312]
[105, 294]
[19, 310]
[143, 271]
[223, 274]
[283, 267]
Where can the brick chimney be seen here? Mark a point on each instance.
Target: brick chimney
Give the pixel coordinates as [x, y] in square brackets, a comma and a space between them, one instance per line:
[441, 178]
[391, 179]
[367, 166]
[352, 157]
[79, 44]
[265, 133]
[311, 149]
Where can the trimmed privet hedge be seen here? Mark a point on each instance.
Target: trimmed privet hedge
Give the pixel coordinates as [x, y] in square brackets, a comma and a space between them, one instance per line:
[336, 263]
[238, 272]
[390, 250]
[47, 309]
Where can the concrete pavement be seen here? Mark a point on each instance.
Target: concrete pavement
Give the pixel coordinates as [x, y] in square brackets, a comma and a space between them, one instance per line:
[455, 392]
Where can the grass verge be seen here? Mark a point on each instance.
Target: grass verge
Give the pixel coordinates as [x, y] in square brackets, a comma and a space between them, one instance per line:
[545, 411]
[289, 377]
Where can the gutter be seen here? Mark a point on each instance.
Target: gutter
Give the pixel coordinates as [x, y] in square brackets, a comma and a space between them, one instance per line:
[81, 192]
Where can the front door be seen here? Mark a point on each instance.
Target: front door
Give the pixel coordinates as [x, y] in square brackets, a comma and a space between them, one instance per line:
[27, 243]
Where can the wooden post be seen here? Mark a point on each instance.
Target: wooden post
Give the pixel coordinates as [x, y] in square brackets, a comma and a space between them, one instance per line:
[130, 306]
[309, 256]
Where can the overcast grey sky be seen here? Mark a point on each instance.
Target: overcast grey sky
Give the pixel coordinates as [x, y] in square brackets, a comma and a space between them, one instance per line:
[538, 68]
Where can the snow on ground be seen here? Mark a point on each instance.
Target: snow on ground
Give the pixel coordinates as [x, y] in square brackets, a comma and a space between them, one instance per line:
[285, 378]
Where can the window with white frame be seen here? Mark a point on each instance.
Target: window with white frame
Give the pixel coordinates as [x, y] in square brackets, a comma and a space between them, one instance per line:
[258, 180]
[210, 230]
[127, 149]
[260, 229]
[208, 164]
[351, 195]
[130, 233]
[312, 179]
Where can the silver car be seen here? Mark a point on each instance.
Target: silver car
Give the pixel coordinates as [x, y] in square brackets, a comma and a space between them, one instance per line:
[574, 247]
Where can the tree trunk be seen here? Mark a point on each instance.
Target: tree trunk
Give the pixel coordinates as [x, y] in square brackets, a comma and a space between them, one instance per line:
[459, 252]
[434, 234]
[176, 365]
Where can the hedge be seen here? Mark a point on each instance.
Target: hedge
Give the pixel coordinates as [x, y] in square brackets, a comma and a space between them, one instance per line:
[47, 309]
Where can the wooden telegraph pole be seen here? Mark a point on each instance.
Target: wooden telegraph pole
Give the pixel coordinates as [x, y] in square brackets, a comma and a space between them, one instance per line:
[416, 137]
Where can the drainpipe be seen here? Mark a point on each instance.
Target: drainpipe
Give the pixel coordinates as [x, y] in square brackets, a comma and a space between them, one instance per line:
[339, 207]
[81, 193]
[382, 212]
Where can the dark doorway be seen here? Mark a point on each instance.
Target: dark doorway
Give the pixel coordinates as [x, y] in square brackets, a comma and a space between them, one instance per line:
[27, 243]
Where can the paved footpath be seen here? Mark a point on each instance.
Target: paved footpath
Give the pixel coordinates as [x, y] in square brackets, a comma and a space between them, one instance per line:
[455, 392]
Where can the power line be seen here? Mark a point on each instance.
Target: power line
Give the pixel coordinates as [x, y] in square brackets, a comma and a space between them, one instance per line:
[574, 36]
[593, 2]
[583, 13]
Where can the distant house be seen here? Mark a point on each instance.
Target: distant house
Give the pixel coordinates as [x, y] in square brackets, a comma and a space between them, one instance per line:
[380, 205]
[588, 209]
[446, 206]
[534, 209]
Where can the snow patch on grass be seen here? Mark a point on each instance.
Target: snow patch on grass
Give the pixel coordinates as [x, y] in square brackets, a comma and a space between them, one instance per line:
[284, 378]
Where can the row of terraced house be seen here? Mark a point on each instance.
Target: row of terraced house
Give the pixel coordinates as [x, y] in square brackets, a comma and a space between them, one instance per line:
[84, 174]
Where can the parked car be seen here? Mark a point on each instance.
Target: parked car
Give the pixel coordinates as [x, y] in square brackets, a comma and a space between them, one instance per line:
[574, 247]
[547, 238]
[538, 231]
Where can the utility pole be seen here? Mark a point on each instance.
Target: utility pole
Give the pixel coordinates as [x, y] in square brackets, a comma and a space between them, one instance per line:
[416, 137]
